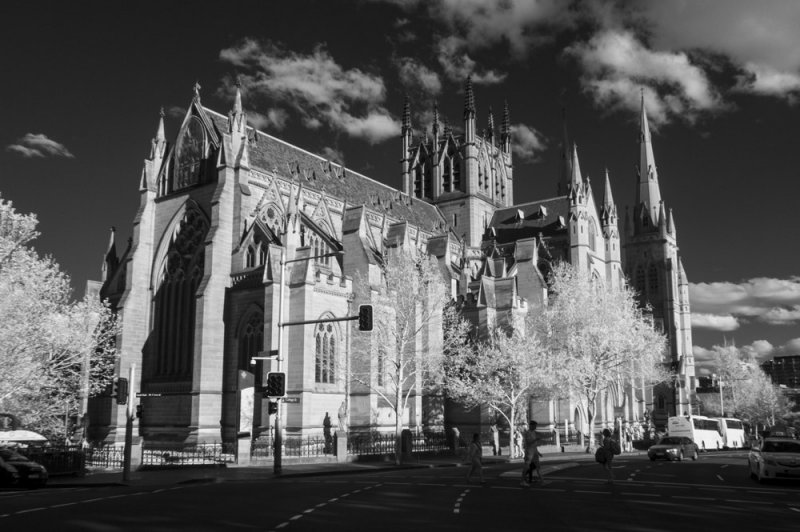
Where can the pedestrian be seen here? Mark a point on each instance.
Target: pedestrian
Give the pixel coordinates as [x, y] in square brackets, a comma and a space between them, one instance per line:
[610, 448]
[495, 439]
[532, 455]
[518, 443]
[474, 455]
[628, 438]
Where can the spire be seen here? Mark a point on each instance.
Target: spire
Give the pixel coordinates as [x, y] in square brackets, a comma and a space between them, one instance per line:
[469, 100]
[662, 218]
[490, 129]
[608, 198]
[110, 260]
[435, 125]
[609, 210]
[406, 116]
[448, 130]
[196, 89]
[237, 101]
[671, 224]
[506, 120]
[575, 176]
[648, 191]
[160, 137]
[566, 161]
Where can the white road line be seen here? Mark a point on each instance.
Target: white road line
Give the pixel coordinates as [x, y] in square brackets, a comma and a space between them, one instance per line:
[795, 509]
[308, 511]
[724, 466]
[158, 490]
[589, 491]
[295, 517]
[320, 505]
[28, 510]
[747, 502]
[282, 524]
[64, 504]
[455, 510]
[641, 494]
[427, 484]
[94, 500]
[693, 498]
[720, 478]
[334, 499]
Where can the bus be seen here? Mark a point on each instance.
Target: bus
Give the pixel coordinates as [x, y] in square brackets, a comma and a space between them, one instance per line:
[733, 434]
[704, 431]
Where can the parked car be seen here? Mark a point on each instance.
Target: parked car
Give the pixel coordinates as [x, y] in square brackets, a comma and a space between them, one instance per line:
[673, 448]
[29, 474]
[774, 458]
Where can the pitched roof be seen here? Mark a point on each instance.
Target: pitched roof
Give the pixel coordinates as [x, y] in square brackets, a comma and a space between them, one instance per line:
[529, 219]
[268, 153]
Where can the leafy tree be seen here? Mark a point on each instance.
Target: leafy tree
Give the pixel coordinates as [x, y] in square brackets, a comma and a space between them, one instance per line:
[46, 340]
[596, 337]
[502, 372]
[404, 356]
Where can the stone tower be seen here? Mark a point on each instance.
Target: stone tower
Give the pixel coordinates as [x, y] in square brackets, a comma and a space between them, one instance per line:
[656, 272]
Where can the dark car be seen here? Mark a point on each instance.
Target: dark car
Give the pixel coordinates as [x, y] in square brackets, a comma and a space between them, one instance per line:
[673, 448]
[29, 474]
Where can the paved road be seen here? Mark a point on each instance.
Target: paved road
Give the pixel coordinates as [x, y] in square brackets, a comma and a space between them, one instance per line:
[713, 493]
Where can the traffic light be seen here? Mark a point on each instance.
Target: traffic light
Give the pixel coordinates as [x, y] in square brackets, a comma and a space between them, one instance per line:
[139, 411]
[365, 317]
[272, 408]
[119, 389]
[276, 384]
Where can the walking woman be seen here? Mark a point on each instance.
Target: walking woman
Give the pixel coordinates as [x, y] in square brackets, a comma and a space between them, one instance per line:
[474, 454]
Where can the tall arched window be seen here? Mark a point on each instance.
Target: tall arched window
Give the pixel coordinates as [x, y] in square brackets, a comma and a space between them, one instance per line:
[325, 356]
[456, 171]
[639, 280]
[251, 340]
[175, 300]
[592, 236]
[189, 154]
[250, 257]
[262, 255]
[652, 278]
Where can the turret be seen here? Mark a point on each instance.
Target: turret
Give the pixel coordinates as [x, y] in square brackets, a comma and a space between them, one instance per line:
[158, 149]
[470, 162]
[469, 112]
[575, 179]
[608, 213]
[490, 128]
[237, 127]
[505, 135]
[405, 134]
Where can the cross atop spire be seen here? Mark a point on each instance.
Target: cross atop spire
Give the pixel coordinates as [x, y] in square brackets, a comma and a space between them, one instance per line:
[160, 132]
[490, 129]
[197, 88]
[237, 100]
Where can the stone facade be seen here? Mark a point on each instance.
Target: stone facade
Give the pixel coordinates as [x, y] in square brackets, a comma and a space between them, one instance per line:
[198, 287]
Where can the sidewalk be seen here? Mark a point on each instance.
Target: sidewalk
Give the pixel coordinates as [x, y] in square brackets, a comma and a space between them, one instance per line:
[232, 472]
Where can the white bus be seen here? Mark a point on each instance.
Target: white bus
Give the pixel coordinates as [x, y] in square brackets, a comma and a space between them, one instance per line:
[733, 436]
[704, 431]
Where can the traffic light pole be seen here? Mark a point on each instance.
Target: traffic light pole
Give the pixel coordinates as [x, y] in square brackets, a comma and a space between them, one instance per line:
[126, 460]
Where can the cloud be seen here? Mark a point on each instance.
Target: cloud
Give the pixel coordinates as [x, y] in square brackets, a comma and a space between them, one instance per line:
[762, 299]
[315, 86]
[527, 142]
[714, 321]
[457, 64]
[274, 119]
[38, 145]
[762, 41]
[415, 75]
[176, 111]
[333, 154]
[616, 64]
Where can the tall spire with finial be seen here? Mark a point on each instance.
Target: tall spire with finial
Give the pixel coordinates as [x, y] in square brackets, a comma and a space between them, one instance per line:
[406, 116]
[237, 100]
[490, 127]
[505, 133]
[648, 191]
[110, 260]
[405, 134]
[160, 136]
[435, 125]
[469, 100]
[197, 88]
[609, 209]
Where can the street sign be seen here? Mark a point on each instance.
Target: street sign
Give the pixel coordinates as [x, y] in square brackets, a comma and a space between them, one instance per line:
[619, 411]
[139, 394]
[295, 399]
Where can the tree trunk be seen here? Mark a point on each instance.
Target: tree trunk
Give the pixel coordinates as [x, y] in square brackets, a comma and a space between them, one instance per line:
[592, 415]
[398, 424]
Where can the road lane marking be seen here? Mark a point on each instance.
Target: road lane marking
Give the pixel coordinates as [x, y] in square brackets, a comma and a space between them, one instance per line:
[589, 491]
[636, 494]
[308, 511]
[747, 502]
[64, 504]
[295, 517]
[320, 505]
[794, 509]
[724, 466]
[282, 524]
[720, 478]
[693, 498]
[334, 499]
[28, 510]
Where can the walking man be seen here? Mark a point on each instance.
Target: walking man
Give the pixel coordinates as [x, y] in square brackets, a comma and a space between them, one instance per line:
[611, 448]
[474, 455]
[532, 455]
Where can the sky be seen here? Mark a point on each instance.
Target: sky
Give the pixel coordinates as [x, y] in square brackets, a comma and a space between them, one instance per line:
[84, 83]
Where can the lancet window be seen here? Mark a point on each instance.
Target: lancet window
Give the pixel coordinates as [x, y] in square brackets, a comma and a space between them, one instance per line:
[175, 300]
[325, 356]
[251, 340]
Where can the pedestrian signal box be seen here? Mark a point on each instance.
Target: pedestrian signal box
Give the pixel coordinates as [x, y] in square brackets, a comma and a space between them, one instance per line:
[276, 384]
[119, 390]
[365, 317]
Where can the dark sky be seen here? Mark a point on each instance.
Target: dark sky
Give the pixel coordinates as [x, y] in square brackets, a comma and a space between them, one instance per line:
[83, 83]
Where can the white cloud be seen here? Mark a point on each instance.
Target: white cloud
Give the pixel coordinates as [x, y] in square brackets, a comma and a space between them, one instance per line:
[457, 64]
[38, 145]
[333, 154]
[315, 86]
[714, 321]
[763, 299]
[616, 64]
[176, 111]
[761, 39]
[415, 75]
[275, 119]
[527, 143]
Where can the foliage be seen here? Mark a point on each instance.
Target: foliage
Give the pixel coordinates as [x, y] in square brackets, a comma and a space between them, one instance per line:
[44, 337]
[411, 309]
[596, 337]
[502, 372]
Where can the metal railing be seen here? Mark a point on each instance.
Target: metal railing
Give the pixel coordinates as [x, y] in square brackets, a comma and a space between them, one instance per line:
[160, 454]
[59, 459]
[294, 446]
[106, 456]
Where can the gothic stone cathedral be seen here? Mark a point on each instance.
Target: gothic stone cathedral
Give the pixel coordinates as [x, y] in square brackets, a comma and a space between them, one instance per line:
[198, 287]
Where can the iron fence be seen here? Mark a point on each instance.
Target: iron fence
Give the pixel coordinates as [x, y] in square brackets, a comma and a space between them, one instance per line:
[293, 446]
[58, 459]
[106, 456]
[160, 454]
[374, 443]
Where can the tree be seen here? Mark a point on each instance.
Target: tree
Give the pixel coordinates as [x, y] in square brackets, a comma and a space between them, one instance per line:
[596, 337]
[411, 308]
[46, 340]
[501, 372]
[760, 402]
